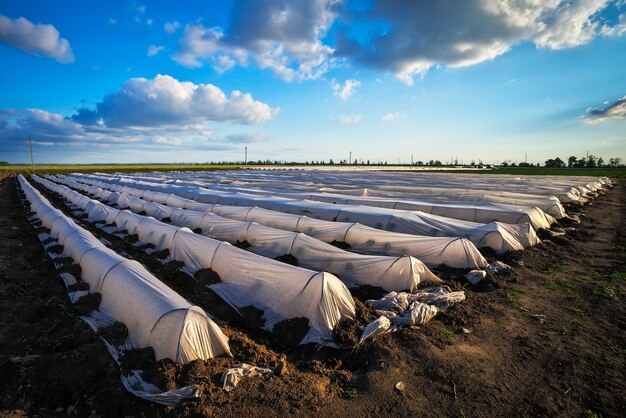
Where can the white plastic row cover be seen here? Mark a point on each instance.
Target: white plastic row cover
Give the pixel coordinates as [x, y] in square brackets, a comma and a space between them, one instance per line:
[495, 235]
[389, 273]
[480, 212]
[434, 251]
[154, 314]
[361, 187]
[282, 291]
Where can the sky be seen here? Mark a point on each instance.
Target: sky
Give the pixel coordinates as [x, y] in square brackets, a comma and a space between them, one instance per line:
[312, 80]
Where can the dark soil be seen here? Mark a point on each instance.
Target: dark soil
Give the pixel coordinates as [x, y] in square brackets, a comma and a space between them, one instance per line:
[288, 259]
[547, 339]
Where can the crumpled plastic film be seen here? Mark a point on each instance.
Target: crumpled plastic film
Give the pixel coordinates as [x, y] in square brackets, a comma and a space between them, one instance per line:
[231, 377]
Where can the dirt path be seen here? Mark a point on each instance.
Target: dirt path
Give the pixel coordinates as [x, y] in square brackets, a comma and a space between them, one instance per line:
[548, 341]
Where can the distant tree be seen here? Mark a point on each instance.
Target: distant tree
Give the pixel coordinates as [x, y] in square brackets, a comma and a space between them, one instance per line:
[4, 163]
[331, 162]
[554, 163]
[615, 162]
[591, 162]
[571, 161]
[580, 163]
[368, 162]
[420, 163]
[600, 162]
[438, 163]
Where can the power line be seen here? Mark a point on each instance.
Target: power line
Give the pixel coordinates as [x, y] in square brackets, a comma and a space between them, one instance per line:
[30, 142]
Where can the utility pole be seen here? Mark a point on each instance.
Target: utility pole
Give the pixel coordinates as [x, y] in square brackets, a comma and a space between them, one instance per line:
[411, 159]
[245, 161]
[30, 142]
[350, 159]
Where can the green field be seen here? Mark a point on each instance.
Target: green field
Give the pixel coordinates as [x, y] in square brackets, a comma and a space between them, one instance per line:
[618, 172]
[111, 168]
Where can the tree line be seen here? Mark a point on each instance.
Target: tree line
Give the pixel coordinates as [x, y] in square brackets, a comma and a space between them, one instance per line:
[590, 161]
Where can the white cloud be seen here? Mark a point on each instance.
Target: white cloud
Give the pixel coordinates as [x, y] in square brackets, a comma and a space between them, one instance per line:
[346, 90]
[149, 22]
[408, 38]
[141, 9]
[614, 111]
[165, 101]
[154, 49]
[284, 37]
[387, 117]
[52, 130]
[349, 119]
[404, 38]
[112, 21]
[171, 27]
[571, 25]
[36, 39]
[198, 43]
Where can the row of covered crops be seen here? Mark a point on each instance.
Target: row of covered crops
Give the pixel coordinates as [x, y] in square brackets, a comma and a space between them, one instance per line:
[341, 230]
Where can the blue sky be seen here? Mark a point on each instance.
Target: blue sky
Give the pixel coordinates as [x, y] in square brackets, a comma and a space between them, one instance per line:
[131, 81]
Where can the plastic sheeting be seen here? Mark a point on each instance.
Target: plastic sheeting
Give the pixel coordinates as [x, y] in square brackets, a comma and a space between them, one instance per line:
[567, 189]
[500, 237]
[405, 309]
[389, 273]
[475, 212]
[434, 251]
[282, 291]
[154, 314]
[231, 377]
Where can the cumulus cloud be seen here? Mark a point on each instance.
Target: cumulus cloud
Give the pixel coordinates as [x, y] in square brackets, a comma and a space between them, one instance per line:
[572, 24]
[199, 44]
[387, 117]
[345, 90]
[404, 38]
[282, 36]
[154, 49]
[50, 125]
[408, 38]
[349, 119]
[615, 111]
[171, 27]
[36, 39]
[53, 130]
[164, 101]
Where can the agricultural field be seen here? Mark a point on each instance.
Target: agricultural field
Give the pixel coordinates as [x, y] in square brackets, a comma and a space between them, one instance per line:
[343, 292]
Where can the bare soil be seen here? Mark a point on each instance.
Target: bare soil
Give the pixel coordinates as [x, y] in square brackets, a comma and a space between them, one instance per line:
[546, 338]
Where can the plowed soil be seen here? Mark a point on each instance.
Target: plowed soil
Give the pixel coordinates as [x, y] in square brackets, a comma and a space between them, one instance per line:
[547, 339]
